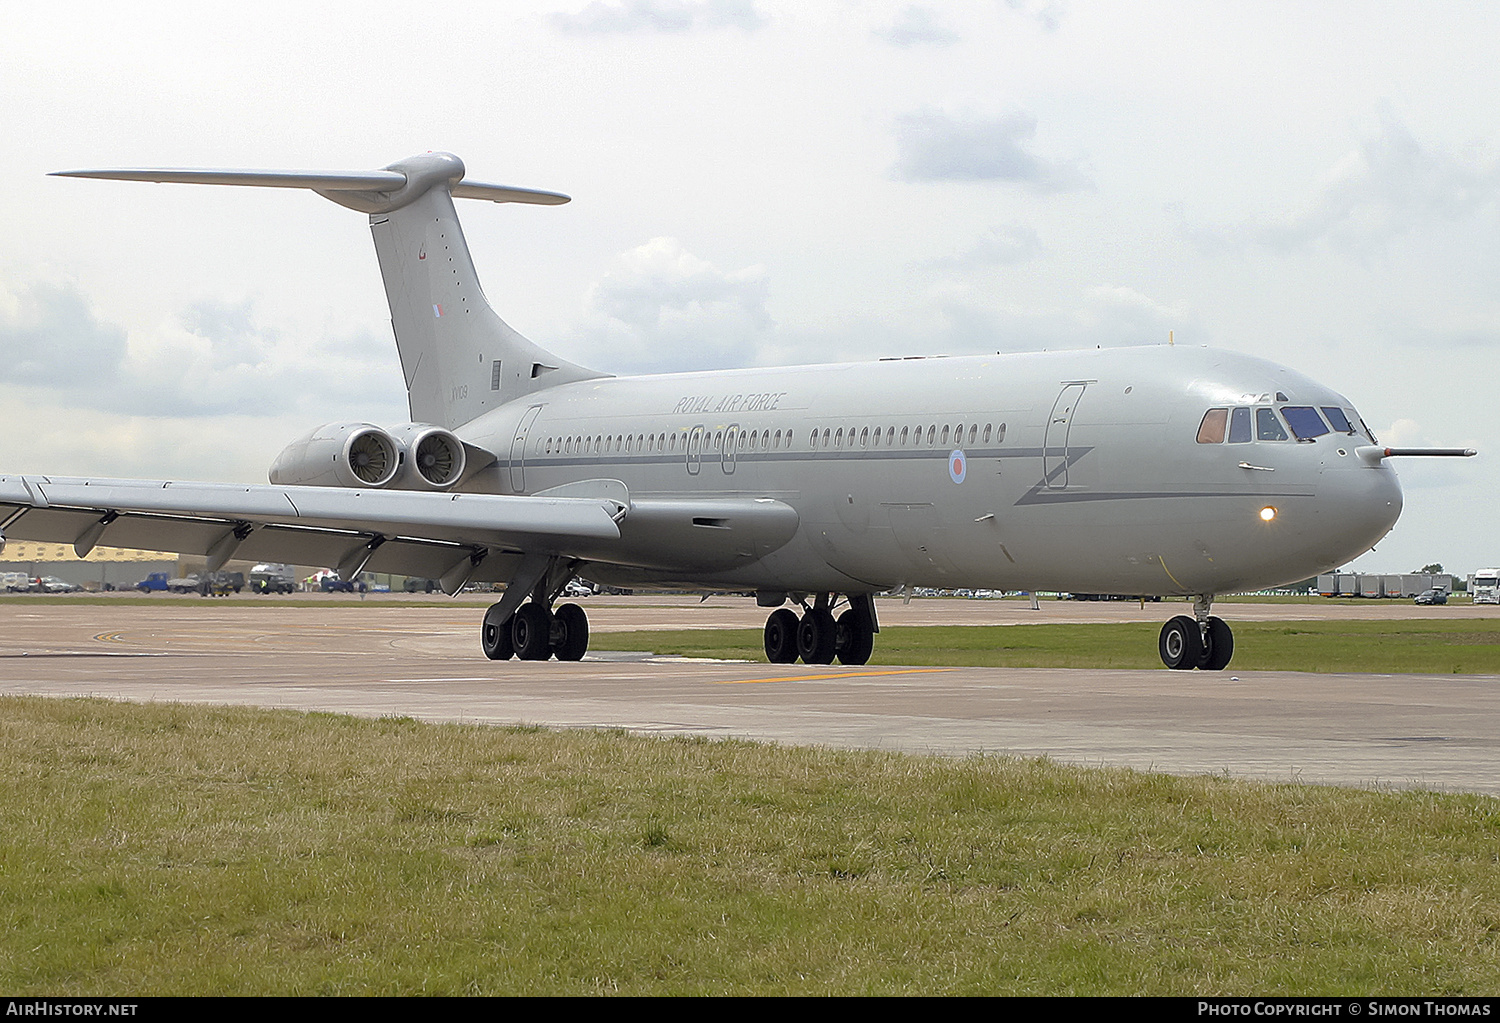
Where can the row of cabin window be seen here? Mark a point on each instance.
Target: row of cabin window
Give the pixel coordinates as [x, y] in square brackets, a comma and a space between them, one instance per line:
[752, 440]
[647, 443]
[909, 437]
[1304, 421]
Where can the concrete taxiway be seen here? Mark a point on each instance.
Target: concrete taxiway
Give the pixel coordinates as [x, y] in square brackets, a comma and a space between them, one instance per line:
[341, 655]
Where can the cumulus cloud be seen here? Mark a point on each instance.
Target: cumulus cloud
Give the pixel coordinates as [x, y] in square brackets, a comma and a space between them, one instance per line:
[1406, 433]
[1386, 186]
[50, 336]
[1048, 15]
[626, 16]
[1005, 245]
[221, 361]
[214, 359]
[661, 308]
[933, 146]
[81, 441]
[917, 26]
[212, 394]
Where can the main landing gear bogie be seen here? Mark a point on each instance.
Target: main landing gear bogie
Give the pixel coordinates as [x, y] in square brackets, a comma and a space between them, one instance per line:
[818, 638]
[1185, 644]
[534, 633]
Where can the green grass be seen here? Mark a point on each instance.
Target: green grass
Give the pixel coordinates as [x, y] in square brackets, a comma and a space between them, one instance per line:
[173, 850]
[1442, 647]
[317, 602]
[1313, 598]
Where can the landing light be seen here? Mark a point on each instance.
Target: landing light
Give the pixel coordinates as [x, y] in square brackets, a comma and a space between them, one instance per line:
[1267, 513]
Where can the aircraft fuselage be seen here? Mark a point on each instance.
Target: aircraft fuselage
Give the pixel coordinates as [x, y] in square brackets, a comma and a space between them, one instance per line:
[1078, 470]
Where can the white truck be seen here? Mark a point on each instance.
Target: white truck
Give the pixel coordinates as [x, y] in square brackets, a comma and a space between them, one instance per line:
[1484, 586]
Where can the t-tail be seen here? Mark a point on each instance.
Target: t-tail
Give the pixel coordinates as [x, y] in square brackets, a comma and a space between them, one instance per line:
[459, 358]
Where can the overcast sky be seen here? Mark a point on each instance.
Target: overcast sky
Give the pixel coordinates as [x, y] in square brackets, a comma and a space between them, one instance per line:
[756, 182]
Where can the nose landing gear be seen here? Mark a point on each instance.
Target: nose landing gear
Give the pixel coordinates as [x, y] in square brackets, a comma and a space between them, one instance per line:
[1203, 641]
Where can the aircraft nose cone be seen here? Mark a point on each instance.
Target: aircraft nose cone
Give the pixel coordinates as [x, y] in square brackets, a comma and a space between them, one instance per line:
[1360, 505]
[1385, 499]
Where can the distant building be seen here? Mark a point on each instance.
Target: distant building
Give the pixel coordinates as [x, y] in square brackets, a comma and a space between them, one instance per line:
[105, 567]
[1352, 584]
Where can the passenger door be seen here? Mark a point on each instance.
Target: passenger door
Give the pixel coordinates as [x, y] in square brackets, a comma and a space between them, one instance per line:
[518, 450]
[1055, 437]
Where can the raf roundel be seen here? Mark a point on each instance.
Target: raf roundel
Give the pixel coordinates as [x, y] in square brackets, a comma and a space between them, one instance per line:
[958, 466]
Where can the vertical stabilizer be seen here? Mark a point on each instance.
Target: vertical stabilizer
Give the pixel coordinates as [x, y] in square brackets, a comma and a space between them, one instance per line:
[459, 358]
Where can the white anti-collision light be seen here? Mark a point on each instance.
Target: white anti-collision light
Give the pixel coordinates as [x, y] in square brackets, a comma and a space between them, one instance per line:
[1267, 513]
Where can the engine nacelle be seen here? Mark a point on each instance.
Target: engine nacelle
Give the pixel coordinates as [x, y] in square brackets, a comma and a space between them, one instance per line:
[339, 455]
[432, 458]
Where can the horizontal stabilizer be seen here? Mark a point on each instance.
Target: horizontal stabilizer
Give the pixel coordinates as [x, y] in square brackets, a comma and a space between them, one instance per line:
[386, 181]
[505, 193]
[365, 181]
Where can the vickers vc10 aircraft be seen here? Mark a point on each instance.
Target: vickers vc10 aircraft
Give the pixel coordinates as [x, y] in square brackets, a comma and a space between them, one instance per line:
[1166, 470]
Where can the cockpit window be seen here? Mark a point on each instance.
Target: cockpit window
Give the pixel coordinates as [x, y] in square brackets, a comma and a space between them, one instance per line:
[1211, 430]
[1239, 426]
[1267, 426]
[1337, 419]
[1304, 421]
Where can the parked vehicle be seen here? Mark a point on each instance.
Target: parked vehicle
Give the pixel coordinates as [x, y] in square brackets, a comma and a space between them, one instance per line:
[272, 578]
[221, 584]
[184, 584]
[1484, 586]
[1432, 596]
[329, 582]
[156, 582]
[52, 584]
[416, 585]
[15, 582]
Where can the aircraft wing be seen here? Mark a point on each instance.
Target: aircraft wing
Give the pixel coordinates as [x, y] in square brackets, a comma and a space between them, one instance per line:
[452, 537]
[434, 535]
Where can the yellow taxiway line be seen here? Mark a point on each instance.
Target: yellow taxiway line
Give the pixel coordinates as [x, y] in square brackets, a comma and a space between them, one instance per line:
[831, 674]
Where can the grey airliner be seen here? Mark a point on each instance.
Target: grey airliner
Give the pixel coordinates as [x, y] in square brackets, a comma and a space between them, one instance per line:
[1169, 470]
